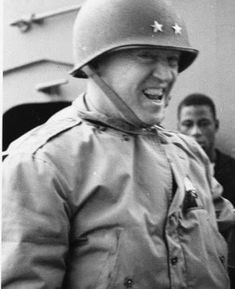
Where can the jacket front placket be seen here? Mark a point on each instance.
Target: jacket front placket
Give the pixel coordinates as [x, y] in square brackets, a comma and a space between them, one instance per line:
[177, 264]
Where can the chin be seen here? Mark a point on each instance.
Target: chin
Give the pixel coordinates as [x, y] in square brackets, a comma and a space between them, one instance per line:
[153, 121]
[158, 119]
[151, 117]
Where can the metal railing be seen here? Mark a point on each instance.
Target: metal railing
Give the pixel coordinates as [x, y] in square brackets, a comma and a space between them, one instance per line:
[25, 23]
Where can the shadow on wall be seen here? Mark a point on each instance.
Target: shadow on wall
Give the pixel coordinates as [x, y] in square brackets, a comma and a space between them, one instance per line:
[20, 119]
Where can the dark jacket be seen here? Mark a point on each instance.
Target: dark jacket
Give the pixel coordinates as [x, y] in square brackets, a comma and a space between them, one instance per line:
[225, 174]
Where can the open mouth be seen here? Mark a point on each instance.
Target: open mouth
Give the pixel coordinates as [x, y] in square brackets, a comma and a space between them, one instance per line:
[155, 94]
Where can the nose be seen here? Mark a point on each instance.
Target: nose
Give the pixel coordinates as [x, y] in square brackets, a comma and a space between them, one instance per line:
[162, 71]
[195, 131]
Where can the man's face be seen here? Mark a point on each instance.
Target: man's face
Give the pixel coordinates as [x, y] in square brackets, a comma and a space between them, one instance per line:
[143, 78]
[198, 121]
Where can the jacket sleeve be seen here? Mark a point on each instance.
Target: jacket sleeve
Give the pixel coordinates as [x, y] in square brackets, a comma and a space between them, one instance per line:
[223, 207]
[35, 225]
[225, 215]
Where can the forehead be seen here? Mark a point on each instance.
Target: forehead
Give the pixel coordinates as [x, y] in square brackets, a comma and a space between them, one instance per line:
[196, 112]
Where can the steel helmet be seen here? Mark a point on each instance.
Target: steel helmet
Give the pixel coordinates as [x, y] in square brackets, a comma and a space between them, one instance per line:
[102, 26]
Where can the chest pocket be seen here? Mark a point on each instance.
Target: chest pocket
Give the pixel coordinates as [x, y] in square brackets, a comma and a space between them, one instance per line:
[191, 199]
[200, 237]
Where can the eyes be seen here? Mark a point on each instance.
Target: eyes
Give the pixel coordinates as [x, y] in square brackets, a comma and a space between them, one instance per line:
[187, 124]
[202, 124]
[151, 57]
[173, 61]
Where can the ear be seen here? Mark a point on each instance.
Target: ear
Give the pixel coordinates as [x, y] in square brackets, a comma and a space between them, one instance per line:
[168, 98]
[217, 124]
[94, 65]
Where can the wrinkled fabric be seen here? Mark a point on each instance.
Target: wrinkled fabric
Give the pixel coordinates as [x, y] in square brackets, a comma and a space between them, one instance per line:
[89, 203]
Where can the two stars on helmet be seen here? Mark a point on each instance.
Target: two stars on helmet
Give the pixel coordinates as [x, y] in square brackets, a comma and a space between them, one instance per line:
[159, 27]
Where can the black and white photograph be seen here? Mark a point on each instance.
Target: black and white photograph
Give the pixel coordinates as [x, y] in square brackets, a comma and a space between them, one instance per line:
[118, 144]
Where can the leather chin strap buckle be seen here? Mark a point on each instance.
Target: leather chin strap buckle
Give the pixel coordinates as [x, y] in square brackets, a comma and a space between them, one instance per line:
[119, 103]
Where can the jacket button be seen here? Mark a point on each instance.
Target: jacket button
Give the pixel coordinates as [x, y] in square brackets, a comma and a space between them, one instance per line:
[126, 138]
[174, 260]
[103, 128]
[172, 217]
[128, 282]
[222, 259]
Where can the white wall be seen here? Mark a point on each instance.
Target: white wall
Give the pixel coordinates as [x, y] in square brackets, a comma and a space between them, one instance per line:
[43, 54]
[51, 39]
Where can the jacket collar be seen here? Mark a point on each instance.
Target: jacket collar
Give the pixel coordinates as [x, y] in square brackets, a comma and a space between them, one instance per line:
[118, 124]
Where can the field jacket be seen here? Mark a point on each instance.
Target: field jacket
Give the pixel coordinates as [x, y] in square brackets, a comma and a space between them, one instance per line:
[92, 203]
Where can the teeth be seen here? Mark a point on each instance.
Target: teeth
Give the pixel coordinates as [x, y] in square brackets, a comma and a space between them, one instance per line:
[154, 93]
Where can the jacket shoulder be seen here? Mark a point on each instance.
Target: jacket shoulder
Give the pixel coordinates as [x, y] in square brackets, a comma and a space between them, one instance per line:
[224, 159]
[36, 138]
[185, 143]
[179, 138]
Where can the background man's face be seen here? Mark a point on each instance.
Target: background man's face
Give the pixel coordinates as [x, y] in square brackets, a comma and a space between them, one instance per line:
[143, 78]
[198, 121]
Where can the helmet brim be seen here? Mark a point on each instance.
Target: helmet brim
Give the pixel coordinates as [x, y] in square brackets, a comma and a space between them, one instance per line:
[187, 57]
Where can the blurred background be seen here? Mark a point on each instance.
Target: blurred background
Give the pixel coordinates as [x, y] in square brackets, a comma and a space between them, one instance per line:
[37, 57]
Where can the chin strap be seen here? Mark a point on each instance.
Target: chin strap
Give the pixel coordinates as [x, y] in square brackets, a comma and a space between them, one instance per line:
[120, 104]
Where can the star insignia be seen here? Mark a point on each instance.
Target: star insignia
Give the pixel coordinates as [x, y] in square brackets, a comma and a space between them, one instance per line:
[177, 28]
[157, 26]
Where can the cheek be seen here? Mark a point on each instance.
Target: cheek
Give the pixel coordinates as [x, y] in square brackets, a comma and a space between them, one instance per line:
[208, 135]
[184, 129]
[188, 131]
[211, 135]
[124, 76]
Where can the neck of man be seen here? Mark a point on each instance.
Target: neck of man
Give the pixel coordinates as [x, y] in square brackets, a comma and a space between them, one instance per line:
[97, 101]
[212, 154]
